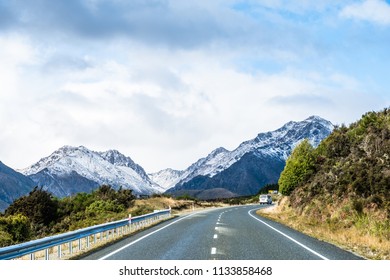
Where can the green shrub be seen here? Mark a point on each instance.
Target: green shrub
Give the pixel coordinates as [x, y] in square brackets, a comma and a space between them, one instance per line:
[101, 206]
[5, 238]
[299, 167]
[17, 228]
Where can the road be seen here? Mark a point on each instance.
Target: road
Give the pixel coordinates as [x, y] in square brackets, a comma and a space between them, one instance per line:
[232, 233]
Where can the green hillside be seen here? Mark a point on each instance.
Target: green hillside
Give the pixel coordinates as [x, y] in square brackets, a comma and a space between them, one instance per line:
[342, 187]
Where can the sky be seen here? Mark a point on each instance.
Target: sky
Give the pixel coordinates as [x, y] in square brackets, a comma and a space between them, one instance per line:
[168, 81]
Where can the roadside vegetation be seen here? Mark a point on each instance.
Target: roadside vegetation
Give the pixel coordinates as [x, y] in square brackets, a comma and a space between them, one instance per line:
[340, 191]
[39, 214]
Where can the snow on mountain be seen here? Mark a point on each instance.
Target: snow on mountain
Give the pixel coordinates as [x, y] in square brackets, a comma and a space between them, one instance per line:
[281, 142]
[210, 165]
[166, 178]
[278, 144]
[109, 167]
[70, 169]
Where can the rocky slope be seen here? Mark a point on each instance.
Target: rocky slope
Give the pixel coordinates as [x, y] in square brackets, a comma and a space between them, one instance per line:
[12, 185]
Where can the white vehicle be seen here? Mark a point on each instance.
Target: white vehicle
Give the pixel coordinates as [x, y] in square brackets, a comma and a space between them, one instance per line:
[265, 199]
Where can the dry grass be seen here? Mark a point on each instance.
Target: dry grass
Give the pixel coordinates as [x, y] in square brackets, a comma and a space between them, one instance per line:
[353, 235]
[177, 206]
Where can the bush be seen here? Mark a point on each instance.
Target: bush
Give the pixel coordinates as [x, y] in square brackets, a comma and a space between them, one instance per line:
[299, 167]
[100, 207]
[16, 229]
[5, 238]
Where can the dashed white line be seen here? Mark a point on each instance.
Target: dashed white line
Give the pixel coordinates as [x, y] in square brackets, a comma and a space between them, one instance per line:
[213, 251]
[143, 237]
[215, 236]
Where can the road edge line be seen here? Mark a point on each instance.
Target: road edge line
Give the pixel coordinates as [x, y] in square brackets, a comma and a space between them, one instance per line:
[285, 235]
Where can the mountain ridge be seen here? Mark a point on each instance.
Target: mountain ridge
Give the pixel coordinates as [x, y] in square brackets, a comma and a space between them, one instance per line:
[69, 170]
[68, 165]
[271, 148]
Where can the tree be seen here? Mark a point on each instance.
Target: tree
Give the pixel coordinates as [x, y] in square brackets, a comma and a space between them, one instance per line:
[105, 192]
[39, 206]
[125, 197]
[299, 167]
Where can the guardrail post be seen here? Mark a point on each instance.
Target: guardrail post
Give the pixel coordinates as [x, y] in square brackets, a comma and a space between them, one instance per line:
[59, 251]
[46, 254]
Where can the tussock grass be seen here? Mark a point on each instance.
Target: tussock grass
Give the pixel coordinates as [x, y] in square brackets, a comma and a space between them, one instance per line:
[366, 234]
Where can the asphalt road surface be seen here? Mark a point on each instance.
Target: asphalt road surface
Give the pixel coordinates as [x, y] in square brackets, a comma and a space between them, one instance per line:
[233, 233]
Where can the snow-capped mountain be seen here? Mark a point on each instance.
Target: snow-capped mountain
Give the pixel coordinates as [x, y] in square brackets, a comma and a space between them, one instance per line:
[271, 149]
[69, 170]
[166, 178]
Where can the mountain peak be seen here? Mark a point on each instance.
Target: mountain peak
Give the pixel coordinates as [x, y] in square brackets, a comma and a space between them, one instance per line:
[318, 119]
[220, 150]
[275, 146]
[116, 158]
[68, 148]
[69, 164]
[315, 118]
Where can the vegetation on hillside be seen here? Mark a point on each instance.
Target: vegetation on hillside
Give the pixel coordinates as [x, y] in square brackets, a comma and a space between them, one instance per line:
[40, 214]
[344, 183]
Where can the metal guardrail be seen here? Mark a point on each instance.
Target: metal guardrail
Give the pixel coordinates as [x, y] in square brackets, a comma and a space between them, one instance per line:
[62, 245]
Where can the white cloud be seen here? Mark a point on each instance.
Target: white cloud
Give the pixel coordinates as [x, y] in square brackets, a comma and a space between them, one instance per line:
[167, 104]
[376, 11]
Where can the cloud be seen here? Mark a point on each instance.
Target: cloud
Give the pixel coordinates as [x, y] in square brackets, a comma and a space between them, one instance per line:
[66, 62]
[166, 82]
[375, 11]
[302, 100]
[161, 22]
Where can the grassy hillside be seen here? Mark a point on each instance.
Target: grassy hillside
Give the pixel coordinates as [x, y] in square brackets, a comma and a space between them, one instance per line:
[340, 191]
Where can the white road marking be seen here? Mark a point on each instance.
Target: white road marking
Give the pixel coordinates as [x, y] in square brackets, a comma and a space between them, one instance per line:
[213, 251]
[143, 237]
[215, 236]
[151, 233]
[285, 235]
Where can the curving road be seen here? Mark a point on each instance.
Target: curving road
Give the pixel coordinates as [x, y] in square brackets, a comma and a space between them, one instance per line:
[233, 233]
